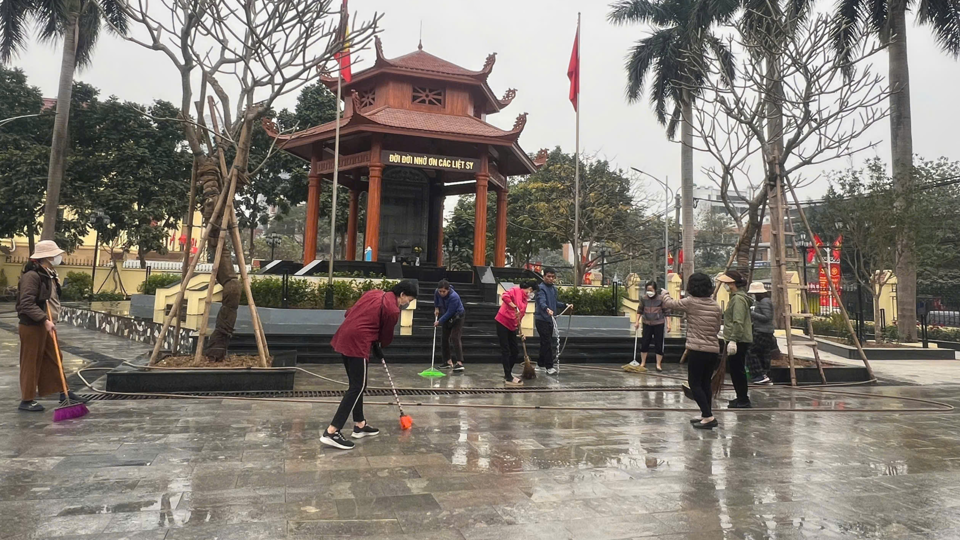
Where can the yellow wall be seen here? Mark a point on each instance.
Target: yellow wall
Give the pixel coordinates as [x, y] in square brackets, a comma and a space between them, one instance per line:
[888, 300]
[106, 281]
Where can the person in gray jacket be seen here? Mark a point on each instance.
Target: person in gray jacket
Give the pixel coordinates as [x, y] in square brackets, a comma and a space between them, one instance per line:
[703, 346]
[764, 346]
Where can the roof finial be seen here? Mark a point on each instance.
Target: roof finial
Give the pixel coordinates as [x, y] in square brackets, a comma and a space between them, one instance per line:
[420, 45]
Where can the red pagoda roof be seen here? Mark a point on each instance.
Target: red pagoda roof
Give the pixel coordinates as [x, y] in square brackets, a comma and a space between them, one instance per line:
[423, 64]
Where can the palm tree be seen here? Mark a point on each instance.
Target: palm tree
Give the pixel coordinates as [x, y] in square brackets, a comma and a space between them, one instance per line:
[78, 22]
[682, 33]
[888, 20]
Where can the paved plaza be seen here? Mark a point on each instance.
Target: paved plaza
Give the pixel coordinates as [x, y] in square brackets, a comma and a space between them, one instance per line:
[225, 469]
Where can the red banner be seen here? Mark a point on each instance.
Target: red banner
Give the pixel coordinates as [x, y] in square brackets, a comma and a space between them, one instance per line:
[833, 262]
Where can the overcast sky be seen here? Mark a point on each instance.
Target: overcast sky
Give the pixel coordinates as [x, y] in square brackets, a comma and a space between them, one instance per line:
[533, 40]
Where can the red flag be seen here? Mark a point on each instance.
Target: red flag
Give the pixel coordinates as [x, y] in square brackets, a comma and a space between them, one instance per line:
[680, 256]
[343, 57]
[573, 70]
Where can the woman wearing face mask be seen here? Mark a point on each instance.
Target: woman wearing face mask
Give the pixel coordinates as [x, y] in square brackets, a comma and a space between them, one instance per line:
[38, 294]
[738, 335]
[653, 317]
[764, 342]
[512, 309]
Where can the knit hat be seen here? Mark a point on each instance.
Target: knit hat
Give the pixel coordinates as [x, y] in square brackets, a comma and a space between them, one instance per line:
[46, 249]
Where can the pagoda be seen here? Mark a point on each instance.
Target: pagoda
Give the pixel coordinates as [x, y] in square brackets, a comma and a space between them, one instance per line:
[413, 131]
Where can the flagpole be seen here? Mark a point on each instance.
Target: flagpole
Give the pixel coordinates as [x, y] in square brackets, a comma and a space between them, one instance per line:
[578, 248]
[333, 204]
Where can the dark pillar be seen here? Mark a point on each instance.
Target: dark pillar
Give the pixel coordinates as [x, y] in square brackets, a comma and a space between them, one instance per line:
[352, 225]
[500, 246]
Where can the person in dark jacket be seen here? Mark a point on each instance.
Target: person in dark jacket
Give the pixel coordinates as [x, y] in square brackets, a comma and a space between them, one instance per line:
[367, 327]
[37, 295]
[764, 346]
[449, 312]
[548, 307]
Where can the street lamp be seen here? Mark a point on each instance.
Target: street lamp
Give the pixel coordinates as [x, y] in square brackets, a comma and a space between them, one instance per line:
[666, 226]
[273, 240]
[604, 253]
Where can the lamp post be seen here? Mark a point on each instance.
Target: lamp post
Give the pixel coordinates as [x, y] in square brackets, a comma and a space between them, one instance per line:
[604, 253]
[273, 240]
[666, 226]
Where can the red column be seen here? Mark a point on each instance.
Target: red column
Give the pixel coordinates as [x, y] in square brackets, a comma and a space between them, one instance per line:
[352, 225]
[372, 236]
[313, 213]
[480, 221]
[500, 246]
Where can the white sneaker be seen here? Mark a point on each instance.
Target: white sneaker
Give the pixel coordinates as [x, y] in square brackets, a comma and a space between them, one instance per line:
[552, 371]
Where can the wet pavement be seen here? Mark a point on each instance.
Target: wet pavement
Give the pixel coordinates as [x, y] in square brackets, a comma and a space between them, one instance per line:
[204, 469]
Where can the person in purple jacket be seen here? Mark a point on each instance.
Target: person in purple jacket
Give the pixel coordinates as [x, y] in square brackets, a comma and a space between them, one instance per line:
[448, 311]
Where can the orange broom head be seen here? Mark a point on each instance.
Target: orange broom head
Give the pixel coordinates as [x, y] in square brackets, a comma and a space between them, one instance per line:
[405, 422]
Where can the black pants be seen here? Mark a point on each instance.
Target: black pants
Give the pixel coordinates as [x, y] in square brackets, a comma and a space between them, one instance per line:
[452, 345]
[736, 365]
[353, 399]
[509, 352]
[700, 366]
[761, 351]
[547, 343]
[652, 334]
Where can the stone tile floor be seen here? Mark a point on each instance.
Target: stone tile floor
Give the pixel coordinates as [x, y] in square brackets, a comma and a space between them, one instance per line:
[223, 469]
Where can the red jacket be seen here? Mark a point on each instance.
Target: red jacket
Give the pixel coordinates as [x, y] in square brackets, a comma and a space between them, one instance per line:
[507, 315]
[372, 318]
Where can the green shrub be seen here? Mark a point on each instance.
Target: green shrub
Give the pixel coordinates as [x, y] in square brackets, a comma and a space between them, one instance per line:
[157, 281]
[301, 293]
[77, 287]
[593, 300]
[108, 297]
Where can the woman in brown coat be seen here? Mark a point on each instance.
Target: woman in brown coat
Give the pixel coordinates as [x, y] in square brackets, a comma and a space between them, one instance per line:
[703, 346]
[39, 289]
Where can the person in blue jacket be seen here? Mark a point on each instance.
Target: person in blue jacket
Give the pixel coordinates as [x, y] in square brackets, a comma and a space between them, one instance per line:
[449, 312]
[548, 307]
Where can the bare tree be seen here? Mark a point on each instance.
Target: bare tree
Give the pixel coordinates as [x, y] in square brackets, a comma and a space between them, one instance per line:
[248, 54]
[824, 105]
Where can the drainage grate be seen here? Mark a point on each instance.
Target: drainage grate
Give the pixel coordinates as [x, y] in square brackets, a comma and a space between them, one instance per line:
[383, 392]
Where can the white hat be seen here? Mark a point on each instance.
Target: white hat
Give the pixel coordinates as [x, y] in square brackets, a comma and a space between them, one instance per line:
[46, 249]
[756, 288]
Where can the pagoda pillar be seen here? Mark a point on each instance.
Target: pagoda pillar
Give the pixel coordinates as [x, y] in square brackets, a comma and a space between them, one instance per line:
[313, 212]
[500, 246]
[480, 221]
[440, 234]
[375, 188]
[352, 217]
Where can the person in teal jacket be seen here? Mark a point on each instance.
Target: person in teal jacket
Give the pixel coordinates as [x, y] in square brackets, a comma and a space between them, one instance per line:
[738, 335]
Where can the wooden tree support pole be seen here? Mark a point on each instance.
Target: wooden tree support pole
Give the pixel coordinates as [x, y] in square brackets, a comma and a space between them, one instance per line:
[186, 280]
[833, 290]
[188, 225]
[224, 223]
[254, 316]
[777, 212]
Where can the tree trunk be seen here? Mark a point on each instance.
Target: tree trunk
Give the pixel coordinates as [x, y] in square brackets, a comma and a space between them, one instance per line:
[253, 234]
[901, 140]
[686, 187]
[58, 148]
[142, 257]
[31, 242]
[774, 109]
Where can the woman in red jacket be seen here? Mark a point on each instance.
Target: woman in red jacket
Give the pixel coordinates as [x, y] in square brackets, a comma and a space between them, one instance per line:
[366, 327]
[512, 309]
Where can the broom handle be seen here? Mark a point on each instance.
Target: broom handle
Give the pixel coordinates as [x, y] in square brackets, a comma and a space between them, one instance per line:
[636, 335]
[390, 377]
[433, 353]
[56, 347]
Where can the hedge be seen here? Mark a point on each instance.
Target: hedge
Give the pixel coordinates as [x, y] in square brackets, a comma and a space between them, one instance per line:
[303, 294]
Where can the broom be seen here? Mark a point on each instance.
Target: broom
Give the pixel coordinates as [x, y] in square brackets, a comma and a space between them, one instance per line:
[717, 383]
[67, 410]
[432, 373]
[405, 421]
[529, 372]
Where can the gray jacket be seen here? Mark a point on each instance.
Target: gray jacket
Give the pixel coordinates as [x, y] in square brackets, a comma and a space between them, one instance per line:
[703, 321]
[762, 316]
